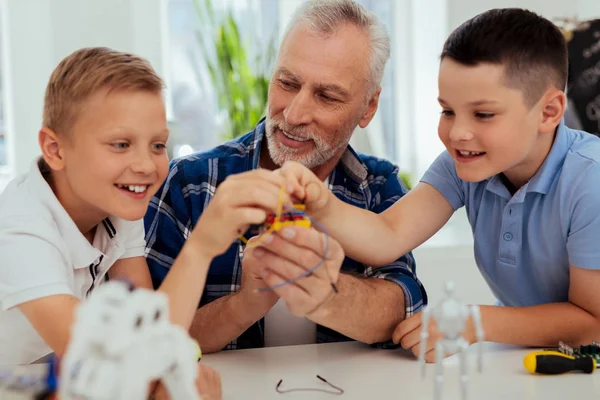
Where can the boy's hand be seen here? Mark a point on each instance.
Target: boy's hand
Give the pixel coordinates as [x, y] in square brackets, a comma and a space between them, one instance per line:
[208, 384]
[307, 187]
[408, 335]
[240, 201]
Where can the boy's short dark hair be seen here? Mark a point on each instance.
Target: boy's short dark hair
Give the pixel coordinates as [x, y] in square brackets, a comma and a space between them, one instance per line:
[532, 49]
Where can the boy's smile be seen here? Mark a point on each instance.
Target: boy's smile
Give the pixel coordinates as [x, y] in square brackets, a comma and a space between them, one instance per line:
[133, 190]
[463, 155]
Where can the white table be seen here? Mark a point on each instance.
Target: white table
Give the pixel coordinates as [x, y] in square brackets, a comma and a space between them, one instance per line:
[367, 373]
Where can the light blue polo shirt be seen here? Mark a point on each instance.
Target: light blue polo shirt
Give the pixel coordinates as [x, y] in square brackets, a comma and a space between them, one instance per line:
[524, 243]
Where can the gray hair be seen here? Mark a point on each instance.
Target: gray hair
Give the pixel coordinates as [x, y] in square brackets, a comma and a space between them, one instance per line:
[325, 16]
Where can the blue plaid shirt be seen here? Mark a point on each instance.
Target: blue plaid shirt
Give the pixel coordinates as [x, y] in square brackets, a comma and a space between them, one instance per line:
[360, 180]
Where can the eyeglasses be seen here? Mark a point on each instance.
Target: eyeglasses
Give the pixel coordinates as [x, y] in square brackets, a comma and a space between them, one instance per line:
[338, 391]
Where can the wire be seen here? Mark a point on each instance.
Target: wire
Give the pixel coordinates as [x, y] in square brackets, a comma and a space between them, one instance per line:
[338, 391]
[308, 271]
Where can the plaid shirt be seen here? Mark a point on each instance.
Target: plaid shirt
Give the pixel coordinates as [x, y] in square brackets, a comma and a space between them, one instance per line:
[360, 180]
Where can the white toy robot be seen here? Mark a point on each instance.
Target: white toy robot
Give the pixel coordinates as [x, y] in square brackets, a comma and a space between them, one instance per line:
[121, 341]
[451, 317]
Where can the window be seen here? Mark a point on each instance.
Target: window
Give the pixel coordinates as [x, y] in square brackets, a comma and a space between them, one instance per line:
[3, 134]
[383, 135]
[198, 122]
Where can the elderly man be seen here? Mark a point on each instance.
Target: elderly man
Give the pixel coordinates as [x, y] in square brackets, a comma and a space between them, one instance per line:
[325, 83]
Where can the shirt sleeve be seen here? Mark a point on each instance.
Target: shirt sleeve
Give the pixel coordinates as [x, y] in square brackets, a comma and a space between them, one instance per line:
[582, 239]
[135, 244]
[442, 176]
[167, 224]
[32, 265]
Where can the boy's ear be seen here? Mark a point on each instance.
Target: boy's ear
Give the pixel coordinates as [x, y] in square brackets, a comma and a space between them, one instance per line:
[554, 103]
[51, 148]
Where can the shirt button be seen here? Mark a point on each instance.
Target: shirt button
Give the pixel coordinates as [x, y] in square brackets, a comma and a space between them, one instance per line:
[508, 236]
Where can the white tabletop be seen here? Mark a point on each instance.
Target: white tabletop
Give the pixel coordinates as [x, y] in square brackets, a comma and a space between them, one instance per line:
[367, 373]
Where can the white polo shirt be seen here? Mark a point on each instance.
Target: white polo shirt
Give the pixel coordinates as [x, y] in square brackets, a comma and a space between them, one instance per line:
[43, 253]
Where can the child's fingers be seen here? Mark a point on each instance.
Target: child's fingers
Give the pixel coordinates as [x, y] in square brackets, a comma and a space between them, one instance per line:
[209, 383]
[411, 339]
[293, 178]
[293, 184]
[260, 174]
[299, 176]
[429, 348]
[314, 191]
[430, 356]
[242, 217]
[408, 325]
[252, 193]
[273, 177]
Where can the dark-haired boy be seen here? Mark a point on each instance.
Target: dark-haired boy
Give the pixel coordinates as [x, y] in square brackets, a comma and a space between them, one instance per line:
[530, 186]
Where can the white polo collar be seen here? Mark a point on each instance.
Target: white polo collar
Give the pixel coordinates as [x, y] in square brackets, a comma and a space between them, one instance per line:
[81, 252]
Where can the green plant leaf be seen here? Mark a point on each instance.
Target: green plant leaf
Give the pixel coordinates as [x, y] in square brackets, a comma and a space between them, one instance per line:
[241, 87]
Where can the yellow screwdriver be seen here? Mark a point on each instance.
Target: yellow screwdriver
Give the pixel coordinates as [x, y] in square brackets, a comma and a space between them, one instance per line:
[553, 362]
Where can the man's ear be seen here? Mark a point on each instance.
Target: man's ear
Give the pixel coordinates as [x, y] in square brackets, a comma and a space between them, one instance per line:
[50, 145]
[554, 103]
[370, 110]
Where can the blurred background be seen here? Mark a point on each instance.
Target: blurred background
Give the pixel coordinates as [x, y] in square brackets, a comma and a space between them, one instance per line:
[193, 43]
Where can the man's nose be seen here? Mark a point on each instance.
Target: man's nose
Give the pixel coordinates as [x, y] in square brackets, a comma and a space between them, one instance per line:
[300, 110]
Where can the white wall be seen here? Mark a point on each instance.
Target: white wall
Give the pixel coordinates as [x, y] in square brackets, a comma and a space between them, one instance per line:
[39, 33]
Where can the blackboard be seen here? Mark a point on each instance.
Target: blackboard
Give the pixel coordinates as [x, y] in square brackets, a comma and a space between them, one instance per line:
[583, 88]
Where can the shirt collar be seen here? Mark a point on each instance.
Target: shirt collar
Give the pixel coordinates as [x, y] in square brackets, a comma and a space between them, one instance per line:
[349, 161]
[544, 177]
[81, 252]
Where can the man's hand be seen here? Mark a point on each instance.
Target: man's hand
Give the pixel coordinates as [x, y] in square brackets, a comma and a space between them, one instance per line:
[252, 281]
[293, 251]
[208, 384]
[408, 335]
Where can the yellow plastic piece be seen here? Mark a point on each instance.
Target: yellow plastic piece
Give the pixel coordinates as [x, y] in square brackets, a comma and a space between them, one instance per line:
[279, 225]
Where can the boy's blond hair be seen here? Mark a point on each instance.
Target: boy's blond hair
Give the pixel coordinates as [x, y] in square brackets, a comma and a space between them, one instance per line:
[87, 71]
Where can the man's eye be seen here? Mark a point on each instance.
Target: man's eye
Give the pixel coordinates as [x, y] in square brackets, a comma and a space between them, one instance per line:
[286, 84]
[327, 98]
